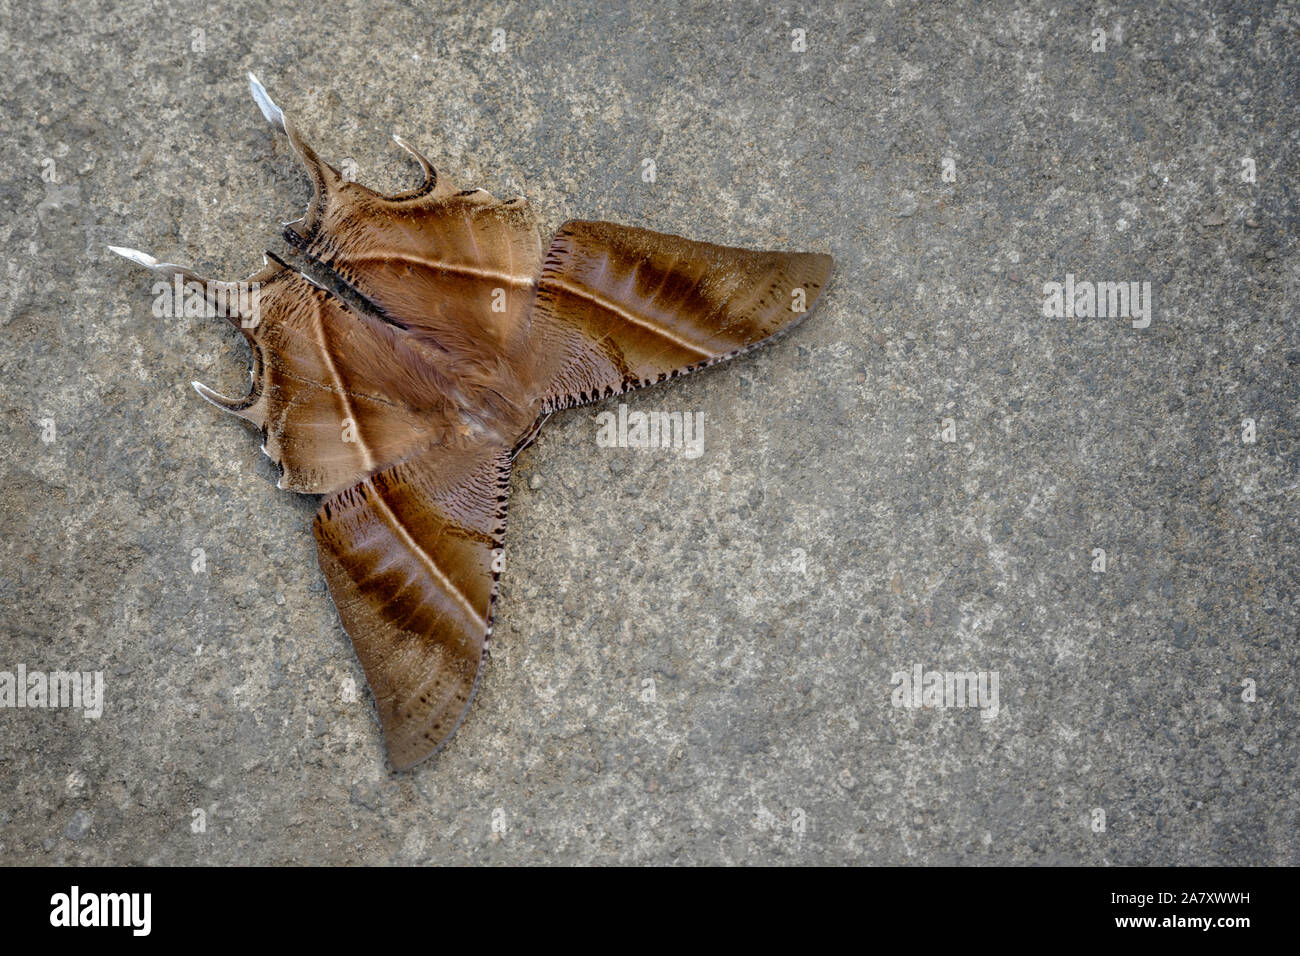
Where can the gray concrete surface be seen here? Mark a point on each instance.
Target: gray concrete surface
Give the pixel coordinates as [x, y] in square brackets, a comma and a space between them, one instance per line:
[771, 736]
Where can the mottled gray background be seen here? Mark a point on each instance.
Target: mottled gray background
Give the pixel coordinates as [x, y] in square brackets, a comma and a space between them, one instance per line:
[1120, 691]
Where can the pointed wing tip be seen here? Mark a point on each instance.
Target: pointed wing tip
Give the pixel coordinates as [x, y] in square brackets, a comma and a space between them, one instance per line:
[233, 406]
[135, 255]
[152, 264]
[827, 263]
[273, 113]
[406, 763]
[208, 395]
[817, 266]
[821, 261]
[430, 175]
[412, 758]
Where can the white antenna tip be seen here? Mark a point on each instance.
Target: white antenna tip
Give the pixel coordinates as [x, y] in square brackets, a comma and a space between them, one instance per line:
[135, 255]
[264, 102]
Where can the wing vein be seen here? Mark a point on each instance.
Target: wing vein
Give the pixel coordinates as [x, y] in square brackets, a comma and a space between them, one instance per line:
[344, 398]
[600, 301]
[443, 265]
[430, 565]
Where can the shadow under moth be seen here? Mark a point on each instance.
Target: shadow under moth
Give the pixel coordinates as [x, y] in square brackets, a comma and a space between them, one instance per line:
[403, 390]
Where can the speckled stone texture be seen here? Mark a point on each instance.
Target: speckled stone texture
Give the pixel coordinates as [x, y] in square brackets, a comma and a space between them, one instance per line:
[828, 537]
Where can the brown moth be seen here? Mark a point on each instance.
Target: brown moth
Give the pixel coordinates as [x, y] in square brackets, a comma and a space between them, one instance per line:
[403, 393]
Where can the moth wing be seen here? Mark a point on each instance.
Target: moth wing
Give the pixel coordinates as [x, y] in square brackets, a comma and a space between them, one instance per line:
[337, 393]
[412, 555]
[619, 307]
[453, 267]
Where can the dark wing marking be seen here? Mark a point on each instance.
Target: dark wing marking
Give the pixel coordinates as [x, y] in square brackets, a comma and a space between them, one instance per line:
[619, 307]
[412, 556]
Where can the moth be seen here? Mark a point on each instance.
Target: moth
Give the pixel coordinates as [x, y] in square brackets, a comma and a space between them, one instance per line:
[403, 388]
